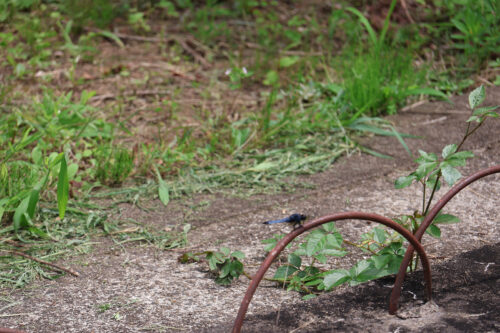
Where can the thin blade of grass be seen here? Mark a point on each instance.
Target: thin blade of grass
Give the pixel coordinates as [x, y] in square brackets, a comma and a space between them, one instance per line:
[366, 23]
[401, 141]
[374, 153]
[427, 91]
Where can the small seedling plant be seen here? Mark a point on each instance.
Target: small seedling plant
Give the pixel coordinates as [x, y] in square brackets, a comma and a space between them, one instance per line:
[225, 265]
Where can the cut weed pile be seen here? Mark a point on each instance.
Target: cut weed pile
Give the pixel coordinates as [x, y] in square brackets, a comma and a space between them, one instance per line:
[105, 102]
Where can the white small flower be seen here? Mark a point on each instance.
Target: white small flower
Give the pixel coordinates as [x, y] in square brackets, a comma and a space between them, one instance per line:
[228, 71]
[244, 69]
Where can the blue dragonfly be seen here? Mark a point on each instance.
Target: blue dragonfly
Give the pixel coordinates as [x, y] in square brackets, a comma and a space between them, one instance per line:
[295, 219]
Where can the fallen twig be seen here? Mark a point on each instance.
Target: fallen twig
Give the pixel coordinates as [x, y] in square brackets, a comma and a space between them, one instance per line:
[67, 270]
[102, 97]
[407, 12]
[181, 40]
[169, 67]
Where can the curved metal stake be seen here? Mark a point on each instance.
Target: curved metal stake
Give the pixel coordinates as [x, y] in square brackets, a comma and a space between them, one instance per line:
[396, 290]
[313, 224]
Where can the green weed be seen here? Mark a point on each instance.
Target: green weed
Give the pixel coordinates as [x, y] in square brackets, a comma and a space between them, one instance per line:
[114, 164]
[224, 264]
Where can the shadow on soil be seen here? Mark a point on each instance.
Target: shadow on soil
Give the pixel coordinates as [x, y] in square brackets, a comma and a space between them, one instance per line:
[466, 299]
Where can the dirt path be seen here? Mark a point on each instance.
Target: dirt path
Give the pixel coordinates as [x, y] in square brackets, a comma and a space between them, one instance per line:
[140, 289]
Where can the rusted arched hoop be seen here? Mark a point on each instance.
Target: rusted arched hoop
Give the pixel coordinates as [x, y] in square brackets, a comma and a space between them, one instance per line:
[313, 224]
[396, 290]
[10, 330]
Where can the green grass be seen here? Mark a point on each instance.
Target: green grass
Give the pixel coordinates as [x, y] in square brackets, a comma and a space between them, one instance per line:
[322, 79]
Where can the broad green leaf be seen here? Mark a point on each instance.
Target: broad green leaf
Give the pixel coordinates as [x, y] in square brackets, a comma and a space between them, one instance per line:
[320, 257]
[236, 268]
[426, 157]
[424, 168]
[474, 118]
[294, 260]
[284, 271]
[329, 227]
[225, 270]
[72, 170]
[490, 114]
[86, 96]
[54, 158]
[336, 278]
[449, 150]
[212, 261]
[62, 188]
[379, 235]
[434, 231]
[476, 97]
[36, 155]
[359, 268]
[404, 181]
[163, 192]
[334, 240]
[446, 219]
[271, 79]
[381, 261]
[225, 250]
[308, 296]
[288, 61]
[314, 243]
[238, 255]
[485, 110]
[450, 174]
[457, 159]
[25, 209]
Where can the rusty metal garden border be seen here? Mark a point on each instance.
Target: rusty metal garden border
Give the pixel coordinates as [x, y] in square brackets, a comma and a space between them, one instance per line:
[313, 224]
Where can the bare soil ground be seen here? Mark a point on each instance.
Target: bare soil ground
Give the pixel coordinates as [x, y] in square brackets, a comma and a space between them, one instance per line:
[141, 289]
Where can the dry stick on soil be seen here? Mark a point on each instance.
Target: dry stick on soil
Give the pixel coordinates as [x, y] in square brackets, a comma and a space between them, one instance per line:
[102, 97]
[183, 42]
[67, 270]
[407, 12]
[169, 67]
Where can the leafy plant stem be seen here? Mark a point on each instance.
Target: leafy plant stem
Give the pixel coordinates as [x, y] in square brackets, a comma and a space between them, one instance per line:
[360, 246]
[468, 133]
